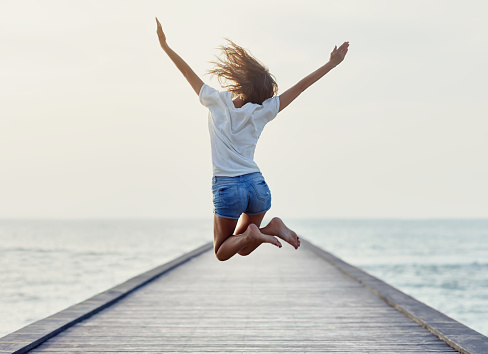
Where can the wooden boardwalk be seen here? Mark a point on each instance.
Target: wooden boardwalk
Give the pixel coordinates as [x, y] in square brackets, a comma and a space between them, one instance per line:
[274, 301]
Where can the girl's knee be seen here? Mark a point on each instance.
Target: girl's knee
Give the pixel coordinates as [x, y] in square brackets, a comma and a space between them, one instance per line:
[220, 256]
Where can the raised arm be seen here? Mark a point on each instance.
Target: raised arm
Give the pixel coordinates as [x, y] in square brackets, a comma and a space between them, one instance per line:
[336, 57]
[195, 82]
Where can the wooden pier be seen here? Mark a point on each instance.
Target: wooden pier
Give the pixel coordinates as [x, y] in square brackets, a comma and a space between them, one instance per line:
[274, 301]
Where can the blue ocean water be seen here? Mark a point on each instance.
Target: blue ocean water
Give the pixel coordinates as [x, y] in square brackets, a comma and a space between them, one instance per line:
[48, 265]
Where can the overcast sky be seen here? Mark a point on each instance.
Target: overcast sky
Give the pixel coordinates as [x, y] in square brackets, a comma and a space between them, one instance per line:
[96, 122]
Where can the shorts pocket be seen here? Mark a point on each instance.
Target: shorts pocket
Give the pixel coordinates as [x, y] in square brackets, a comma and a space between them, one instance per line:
[229, 195]
[261, 189]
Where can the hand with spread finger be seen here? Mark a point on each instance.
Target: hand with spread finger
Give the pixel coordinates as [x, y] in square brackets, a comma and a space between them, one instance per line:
[338, 54]
[195, 82]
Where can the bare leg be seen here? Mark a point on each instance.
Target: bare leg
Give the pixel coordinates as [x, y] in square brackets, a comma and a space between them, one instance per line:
[244, 221]
[276, 227]
[226, 244]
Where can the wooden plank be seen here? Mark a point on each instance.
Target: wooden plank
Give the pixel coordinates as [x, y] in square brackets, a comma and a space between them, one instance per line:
[38, 332]
[275, 300]
[454, 333]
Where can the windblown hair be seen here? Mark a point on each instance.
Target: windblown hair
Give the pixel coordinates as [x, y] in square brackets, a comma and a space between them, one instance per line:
[243, 75]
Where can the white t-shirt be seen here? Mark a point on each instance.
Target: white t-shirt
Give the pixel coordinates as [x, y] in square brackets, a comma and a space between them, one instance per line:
[234, 132]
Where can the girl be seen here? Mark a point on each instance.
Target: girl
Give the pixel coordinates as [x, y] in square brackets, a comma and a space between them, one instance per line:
[236, 119]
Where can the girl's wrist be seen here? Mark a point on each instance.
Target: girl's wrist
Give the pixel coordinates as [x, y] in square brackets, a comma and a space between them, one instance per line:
[164, 45]
[331, 64]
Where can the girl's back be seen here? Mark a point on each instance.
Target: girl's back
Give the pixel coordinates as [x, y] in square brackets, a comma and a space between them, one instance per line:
[234, 132]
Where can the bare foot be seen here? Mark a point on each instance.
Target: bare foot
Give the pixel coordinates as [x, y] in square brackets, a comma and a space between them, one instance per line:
[256, 236]
[278, 228]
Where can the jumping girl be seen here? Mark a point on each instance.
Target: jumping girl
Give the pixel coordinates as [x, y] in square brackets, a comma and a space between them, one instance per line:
[236, 119]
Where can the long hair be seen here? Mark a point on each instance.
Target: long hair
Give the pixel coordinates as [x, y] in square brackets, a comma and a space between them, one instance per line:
[243, 75]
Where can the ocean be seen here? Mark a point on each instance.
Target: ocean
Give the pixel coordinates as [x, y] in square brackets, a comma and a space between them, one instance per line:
[48, 265]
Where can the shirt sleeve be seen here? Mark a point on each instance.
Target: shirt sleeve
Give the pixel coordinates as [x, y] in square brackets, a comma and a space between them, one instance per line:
[270, 109]
[208, 95]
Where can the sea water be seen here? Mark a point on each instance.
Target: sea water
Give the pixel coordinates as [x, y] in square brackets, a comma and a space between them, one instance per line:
[48, 265]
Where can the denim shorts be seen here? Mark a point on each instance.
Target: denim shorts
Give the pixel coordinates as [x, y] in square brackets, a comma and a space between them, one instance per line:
[247, 194]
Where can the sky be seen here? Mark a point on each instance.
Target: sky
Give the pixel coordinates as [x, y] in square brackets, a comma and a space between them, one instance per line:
[96, 122]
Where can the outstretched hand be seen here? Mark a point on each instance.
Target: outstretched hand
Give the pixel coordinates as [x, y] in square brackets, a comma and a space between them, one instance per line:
[159, 31]
[338, 54]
